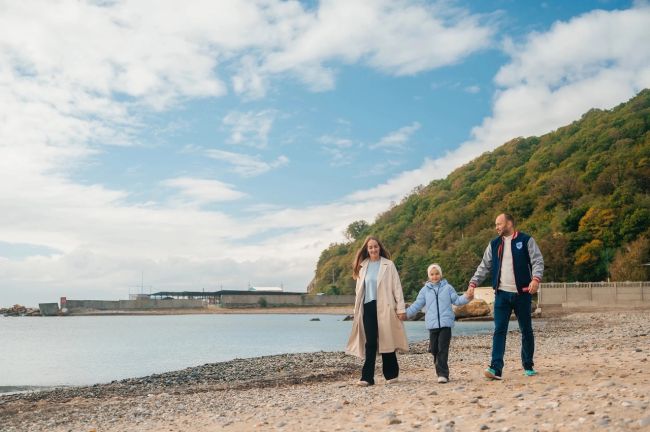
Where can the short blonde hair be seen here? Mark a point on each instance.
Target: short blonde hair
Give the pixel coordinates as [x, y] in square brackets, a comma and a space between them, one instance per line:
[434, 266]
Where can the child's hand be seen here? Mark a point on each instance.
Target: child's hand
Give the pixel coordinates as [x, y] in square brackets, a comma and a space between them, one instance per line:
[401, 316]
[470, 293]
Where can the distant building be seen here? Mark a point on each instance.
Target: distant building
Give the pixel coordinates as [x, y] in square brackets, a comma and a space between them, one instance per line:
[265, 289]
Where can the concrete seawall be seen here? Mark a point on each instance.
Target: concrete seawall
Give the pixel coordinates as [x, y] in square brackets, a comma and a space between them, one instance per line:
[256, 300]
[75, 306]
[49, 309]
[594, 295]
[234, 301]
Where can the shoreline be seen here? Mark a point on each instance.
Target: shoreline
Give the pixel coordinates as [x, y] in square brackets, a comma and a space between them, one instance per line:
[592, 374]
[298, 310]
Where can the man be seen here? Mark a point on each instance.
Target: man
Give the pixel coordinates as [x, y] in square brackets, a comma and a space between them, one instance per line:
[517, 265]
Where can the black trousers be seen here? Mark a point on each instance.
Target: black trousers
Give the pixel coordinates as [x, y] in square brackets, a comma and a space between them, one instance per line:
[439, 340]
[389, 364]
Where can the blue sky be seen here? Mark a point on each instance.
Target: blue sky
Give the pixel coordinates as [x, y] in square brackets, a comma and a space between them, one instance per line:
[232, 142]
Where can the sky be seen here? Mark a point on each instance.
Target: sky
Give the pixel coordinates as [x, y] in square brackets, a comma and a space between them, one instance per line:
[146, 146]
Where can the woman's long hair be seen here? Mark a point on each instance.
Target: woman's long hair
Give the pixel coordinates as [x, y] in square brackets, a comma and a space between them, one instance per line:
[362, 254]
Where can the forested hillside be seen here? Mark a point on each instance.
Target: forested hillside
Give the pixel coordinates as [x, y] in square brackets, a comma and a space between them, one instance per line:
[581, 191]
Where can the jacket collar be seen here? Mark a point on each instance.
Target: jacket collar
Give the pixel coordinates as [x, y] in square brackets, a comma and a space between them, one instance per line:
[431, 285]
[514, 236]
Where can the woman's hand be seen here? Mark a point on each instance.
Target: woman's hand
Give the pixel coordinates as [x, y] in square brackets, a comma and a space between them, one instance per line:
[401, 316]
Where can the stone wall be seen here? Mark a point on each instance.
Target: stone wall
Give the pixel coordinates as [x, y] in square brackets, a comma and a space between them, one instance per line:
[327, 300]
[132, 305]
[49, 309]
[255, 300]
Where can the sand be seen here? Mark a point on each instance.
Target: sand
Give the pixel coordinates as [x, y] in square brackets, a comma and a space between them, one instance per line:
[593, 375]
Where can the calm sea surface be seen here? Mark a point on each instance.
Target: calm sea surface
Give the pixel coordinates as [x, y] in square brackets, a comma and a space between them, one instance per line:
[54, 351]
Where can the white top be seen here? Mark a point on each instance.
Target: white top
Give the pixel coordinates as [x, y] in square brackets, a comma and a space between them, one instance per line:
[371, 281]
[507, 278]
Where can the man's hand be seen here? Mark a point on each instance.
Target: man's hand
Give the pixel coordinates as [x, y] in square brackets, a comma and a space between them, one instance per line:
[533, 286]
[470, 293]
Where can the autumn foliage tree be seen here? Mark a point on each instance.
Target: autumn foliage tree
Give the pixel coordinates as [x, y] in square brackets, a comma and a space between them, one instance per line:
[632, 262]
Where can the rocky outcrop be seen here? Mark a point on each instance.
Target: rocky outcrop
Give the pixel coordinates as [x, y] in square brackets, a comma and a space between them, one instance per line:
[475, 308]
[19, 310]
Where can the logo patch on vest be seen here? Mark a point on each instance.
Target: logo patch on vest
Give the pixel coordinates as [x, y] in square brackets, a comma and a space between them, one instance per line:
[519, 245]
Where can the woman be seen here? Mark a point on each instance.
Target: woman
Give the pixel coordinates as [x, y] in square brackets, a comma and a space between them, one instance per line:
[378, 312]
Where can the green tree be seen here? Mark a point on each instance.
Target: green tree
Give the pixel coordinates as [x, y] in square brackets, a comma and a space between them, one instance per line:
[356, 230]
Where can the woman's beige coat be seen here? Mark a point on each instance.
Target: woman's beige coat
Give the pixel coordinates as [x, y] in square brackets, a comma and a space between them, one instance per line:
[390, 302]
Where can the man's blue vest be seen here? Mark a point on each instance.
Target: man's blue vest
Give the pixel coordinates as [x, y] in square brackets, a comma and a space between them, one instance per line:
[520, 260]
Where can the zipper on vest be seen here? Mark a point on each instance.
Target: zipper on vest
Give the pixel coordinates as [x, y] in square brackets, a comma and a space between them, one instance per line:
[437, 307]
[514, 270]
[500, 256]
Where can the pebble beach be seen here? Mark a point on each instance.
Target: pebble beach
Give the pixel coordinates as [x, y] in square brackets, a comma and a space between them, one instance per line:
[593, 369]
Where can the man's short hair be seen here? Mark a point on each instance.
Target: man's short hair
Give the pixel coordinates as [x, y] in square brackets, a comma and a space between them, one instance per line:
[509, 217]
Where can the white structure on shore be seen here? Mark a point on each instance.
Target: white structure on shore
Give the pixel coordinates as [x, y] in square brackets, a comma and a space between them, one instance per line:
[265, 289]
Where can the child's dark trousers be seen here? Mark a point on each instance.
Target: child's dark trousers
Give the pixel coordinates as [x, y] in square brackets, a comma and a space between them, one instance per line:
[439, 340]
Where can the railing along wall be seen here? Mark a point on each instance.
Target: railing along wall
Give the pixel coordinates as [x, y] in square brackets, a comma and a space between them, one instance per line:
[594, 293]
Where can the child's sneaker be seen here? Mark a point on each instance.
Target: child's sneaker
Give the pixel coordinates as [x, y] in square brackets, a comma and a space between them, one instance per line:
[443, 380]
[491, 374]
[530, 372]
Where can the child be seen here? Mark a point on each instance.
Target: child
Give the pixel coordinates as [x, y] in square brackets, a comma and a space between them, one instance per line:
[437, 296]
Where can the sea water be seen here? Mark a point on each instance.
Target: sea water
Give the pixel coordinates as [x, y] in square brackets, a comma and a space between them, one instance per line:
[81, 350]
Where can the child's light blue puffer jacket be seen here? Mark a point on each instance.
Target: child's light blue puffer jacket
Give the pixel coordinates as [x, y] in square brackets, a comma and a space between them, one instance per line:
[437, 300]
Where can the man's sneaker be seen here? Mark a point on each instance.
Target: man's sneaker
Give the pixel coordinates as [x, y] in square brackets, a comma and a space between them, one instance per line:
[443, 380]
[492, 374]
[530, 372]
[392, 381]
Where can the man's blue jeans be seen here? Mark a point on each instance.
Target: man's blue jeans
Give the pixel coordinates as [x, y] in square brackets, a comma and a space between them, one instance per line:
[504, 303]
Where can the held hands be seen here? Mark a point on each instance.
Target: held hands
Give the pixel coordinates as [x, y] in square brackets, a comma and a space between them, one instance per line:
[401, 316]
[470, 293]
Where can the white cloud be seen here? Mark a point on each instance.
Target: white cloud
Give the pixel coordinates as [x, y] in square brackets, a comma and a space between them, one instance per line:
[473, 89]
[397, 37]
[338, 157]
[340, 150]
[246, 165]
[396, 141]
[248, 81]
[203, 191]
[250, 128]
[591, 61]
[334, 141]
